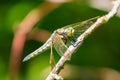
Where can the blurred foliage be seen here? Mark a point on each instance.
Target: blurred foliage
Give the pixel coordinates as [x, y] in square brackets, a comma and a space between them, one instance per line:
[100, 49]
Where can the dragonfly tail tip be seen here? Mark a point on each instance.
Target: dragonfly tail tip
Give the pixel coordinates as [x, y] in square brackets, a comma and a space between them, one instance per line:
[24, 60]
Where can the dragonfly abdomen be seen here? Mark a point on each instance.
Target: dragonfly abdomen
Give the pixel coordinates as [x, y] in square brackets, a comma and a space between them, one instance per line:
[39, 50]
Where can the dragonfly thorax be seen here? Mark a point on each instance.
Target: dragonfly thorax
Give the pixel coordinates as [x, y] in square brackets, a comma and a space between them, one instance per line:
[66, 32]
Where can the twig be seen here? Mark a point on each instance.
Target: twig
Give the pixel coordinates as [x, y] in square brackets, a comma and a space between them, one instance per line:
[80, 40]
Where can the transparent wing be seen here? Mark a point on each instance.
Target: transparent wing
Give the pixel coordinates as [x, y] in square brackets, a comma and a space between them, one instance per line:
[81, 27]
[59, 45]
[52, 60]
[84, 25]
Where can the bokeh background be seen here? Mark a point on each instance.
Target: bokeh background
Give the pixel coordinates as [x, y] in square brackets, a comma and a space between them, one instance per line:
[26, 24]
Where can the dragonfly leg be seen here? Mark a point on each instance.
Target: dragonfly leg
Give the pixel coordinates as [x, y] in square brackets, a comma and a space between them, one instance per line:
[75, 44]
[52, 60]
[72, 41]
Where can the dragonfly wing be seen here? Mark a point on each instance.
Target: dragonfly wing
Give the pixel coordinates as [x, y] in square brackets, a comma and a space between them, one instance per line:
[52, 60]
[59, 45]
[81, 27]
[84, 25]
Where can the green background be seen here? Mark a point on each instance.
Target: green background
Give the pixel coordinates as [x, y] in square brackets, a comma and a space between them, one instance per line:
[100, 50]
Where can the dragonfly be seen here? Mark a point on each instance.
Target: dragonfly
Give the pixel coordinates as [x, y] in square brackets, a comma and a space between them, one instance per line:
[63, 37]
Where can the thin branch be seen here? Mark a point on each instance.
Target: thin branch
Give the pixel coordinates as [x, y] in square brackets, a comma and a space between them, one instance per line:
[54, 73]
